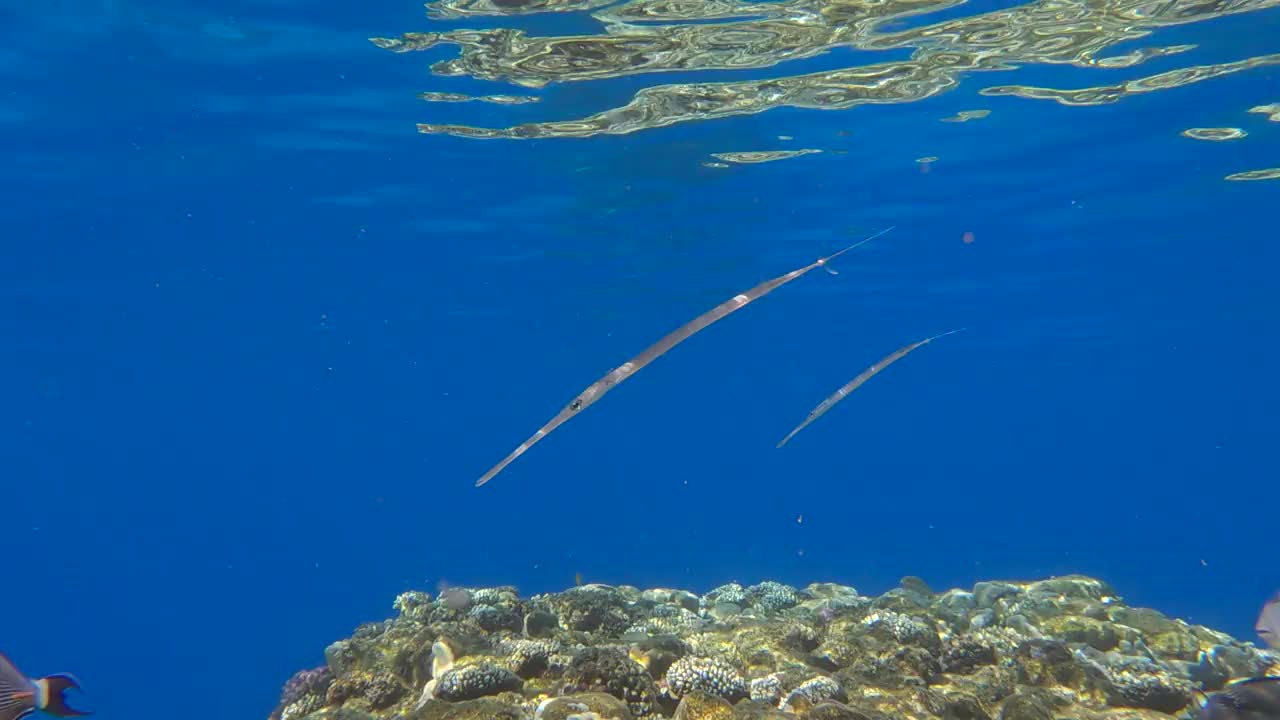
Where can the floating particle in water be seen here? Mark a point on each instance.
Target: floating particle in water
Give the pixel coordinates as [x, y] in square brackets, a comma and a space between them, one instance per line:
[967, 115]
[799, 519]
[785, 137]
[967, 237]
[1214, 134]
[762, 156]
[1267, 174]
[1272, 111]
[715, 164]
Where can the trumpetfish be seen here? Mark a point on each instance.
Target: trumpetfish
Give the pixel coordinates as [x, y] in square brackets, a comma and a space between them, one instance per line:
[853, 384]
[597, 389]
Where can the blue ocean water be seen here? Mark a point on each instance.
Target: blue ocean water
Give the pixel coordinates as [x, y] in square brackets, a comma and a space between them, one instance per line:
[260, 337]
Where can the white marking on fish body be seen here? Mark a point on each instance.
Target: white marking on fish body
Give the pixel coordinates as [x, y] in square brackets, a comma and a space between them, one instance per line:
[42, 693]
[740, 299]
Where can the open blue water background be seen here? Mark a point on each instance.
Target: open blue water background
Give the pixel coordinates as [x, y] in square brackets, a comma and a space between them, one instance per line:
[258, 338]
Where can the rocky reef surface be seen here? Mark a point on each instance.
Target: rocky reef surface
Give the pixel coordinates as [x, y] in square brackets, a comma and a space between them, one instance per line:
[1063, 647]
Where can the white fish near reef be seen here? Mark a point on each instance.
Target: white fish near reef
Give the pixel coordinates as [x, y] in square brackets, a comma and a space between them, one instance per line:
[441, 662]
[1268, 625]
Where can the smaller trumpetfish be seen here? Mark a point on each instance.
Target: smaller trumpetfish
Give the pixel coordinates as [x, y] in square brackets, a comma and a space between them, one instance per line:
[21, 696]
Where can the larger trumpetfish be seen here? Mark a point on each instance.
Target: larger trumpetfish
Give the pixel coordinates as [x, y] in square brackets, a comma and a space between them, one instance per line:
[20, 696]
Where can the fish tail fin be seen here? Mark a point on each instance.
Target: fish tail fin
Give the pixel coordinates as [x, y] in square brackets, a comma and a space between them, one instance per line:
[790, 435]
[53, 698]
[1203, 700]
[823, 261]
[942, 335]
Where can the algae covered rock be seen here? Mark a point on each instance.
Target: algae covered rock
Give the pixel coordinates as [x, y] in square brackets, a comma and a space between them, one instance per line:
[476, 680]
[304, 693]
[612, 671]
[812, 692]
[568, 707]
[698, 705]
[965, 654]
[837, 711]
[770, 596]
[483, 709]
[753, 710]
[338, 713]
[591, 608]
[1082, 629]
[1029, 705]
[374, 691]
[1046, 649]
[710, 676]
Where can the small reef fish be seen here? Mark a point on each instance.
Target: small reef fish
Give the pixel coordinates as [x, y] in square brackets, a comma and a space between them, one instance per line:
[21, 696]
[1268, 625]
[853, 384]
[616, 376]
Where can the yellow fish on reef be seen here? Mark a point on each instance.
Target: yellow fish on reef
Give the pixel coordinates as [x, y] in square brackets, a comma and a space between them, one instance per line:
[577, 578]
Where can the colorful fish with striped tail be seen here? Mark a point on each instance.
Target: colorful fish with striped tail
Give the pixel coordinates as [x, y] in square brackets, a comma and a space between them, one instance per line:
[21, 696]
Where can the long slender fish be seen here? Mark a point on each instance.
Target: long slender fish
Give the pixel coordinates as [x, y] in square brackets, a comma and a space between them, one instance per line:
[853, 384]
[597, 389]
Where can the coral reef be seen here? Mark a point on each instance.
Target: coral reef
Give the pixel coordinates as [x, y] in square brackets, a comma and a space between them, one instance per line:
[1053, 648]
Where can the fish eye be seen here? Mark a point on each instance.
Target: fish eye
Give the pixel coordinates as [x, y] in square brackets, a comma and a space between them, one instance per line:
[576, 404]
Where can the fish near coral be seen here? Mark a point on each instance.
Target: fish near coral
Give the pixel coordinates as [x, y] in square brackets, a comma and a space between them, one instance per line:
[1252, 699]
[1268, 625]
[21, 696]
